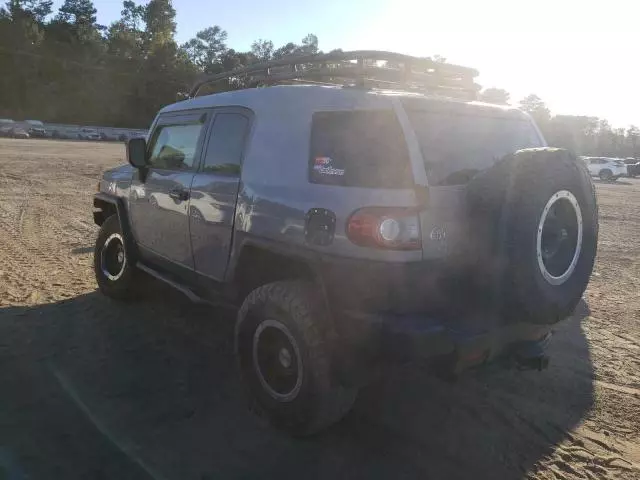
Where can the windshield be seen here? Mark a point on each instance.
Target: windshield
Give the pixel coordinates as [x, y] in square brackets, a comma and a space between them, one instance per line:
[486, 139]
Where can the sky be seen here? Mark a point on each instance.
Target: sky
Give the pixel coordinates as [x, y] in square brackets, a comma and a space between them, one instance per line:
[580, 57]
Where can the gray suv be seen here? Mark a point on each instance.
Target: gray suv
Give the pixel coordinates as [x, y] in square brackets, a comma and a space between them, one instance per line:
[360, 210]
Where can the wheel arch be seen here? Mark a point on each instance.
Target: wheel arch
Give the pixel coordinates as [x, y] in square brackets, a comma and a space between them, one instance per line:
[108, 205]
[258, 263]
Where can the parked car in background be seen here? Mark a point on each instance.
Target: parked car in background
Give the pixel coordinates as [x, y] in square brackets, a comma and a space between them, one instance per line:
[607, 169]
[6, 130]
[19, 132]
[64, 134]
[633, 167]
[89, 134]
[6, 127]
[104, 136]
[38, 132]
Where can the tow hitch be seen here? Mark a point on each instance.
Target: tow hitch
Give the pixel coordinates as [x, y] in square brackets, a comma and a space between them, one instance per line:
[532, 363]
[530, 355]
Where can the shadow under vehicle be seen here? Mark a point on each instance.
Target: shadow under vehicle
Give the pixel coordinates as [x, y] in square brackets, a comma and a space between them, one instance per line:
[92, 388]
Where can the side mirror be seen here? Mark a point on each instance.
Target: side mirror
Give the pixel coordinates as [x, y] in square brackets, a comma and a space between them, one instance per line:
[137, 152]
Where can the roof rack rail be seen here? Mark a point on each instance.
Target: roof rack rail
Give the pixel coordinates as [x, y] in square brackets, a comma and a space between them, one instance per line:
[360, 68]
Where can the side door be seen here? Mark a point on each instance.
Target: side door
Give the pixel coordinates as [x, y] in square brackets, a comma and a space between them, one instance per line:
[159, 199]
[214, 191]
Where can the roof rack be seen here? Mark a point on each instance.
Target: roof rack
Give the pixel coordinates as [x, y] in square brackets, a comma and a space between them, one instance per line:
[361, 68]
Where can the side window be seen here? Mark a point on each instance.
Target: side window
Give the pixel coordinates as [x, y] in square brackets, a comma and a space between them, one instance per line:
[226, 144]
[359, 149]
[173, 147]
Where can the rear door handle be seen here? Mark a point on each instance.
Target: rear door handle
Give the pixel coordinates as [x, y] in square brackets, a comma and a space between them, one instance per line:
[179, 194]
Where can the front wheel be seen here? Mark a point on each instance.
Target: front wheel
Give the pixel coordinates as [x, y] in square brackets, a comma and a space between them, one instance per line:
[115, 273]
[283, 350]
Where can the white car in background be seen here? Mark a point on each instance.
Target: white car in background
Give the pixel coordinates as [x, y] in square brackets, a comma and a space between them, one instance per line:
[89, 134]
[607, 169]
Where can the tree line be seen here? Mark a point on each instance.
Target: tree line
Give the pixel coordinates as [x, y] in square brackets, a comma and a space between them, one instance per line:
[65, 67]
[582, 134]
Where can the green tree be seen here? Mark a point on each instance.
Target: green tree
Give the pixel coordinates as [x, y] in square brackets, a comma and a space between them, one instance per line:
[36, 9]
[160, 19]
[21, 37]
[534, 106]
[205, 51]
[286, 50]
[78, 12]
[132, 15]
[166, 73]
[633, 138]
[262, 50]
[495, 95]
[309, 45]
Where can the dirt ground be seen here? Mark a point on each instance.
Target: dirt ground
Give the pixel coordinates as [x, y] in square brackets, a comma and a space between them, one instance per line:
[93, 389]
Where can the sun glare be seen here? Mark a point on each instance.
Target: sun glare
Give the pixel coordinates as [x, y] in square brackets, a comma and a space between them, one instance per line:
[580, 59]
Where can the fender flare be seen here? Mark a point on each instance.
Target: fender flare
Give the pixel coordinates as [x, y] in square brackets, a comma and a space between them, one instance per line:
[99, 199]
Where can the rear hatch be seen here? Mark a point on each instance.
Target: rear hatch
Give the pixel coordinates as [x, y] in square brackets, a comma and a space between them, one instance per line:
[457, 141]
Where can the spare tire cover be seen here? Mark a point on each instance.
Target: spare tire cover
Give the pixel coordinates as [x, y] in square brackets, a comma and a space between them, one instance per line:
[535, 220]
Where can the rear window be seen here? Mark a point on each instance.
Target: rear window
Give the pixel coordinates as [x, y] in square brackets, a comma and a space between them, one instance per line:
[455, 146]
[359, 149]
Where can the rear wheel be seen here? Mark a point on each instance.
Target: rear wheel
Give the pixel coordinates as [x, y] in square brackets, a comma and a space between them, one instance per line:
[284, 354]
[115, 273]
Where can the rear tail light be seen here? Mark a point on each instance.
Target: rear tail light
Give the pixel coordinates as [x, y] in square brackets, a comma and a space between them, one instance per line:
[390, 228]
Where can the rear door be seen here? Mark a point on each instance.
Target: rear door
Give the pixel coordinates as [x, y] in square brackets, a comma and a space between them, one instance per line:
[456, 143]
[159, 201]
[214, 191]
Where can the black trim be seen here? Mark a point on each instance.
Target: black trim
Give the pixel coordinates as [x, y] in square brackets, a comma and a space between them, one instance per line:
[205, 288]
[298, 253]
[178, 272]
[238, 110]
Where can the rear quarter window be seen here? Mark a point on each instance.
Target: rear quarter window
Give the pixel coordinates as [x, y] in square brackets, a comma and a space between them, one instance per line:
[359, 149]
[457, 145]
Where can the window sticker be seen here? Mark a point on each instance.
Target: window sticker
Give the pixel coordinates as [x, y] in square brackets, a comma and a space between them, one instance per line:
[323, 166]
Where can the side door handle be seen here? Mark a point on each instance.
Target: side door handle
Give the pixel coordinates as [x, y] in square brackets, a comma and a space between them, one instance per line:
[179, 194]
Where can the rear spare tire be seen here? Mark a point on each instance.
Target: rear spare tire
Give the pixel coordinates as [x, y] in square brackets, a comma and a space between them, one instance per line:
[538, 214]
[283, 346]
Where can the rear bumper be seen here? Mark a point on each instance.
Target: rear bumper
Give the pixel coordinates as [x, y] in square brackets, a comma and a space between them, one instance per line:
[432, 311]
[370, 341]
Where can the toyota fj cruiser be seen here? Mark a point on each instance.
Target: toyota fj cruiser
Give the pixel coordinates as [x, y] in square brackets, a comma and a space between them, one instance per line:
[363, 209]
